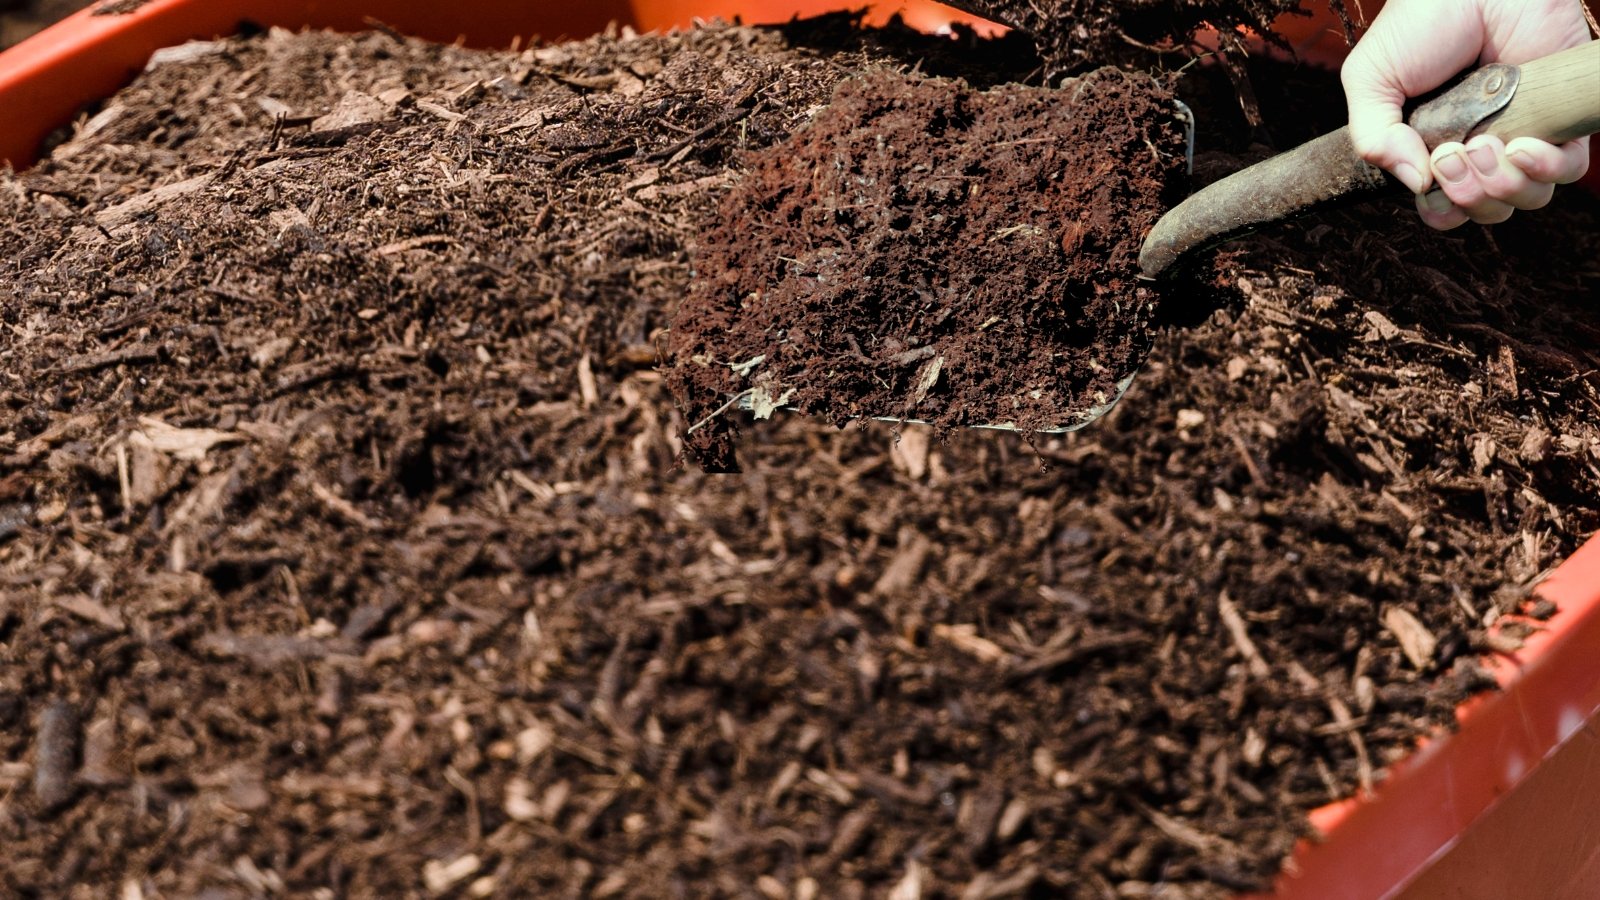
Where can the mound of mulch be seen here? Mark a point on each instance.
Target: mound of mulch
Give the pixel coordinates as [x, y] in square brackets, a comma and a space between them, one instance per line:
[346, 547]
[922, 250]
[1074, 34]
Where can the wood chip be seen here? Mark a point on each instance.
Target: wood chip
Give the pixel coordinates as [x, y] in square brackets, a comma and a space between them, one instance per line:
[93, 610]
[55, 754]
[434, 109]
[909, 450]
[1416, 641]
[906, 566]
[1231, 620]
[587, 389]
[115, 217]
[439, 877]
[342, 507]
[353, 109]
[910, 885]
[1380, 328]
[965, 638]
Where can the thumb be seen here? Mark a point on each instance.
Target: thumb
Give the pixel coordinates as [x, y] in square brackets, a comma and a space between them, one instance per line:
[1380, 135]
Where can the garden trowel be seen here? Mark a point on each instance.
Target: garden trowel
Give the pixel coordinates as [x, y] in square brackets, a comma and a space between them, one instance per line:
[1555, 98]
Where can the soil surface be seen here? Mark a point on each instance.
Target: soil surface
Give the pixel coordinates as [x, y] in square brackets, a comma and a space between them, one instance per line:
[923, 250]
[1074, 34]
[345, 549]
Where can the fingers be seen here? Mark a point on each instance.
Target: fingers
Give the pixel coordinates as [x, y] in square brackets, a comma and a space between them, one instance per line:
[1412, 47]
[1377, 132]
[1438, 212]
[1485, 180]
[1398, 150]
[1550, 163]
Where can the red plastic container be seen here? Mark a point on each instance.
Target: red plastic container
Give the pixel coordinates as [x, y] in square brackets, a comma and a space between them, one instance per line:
[1503, 809]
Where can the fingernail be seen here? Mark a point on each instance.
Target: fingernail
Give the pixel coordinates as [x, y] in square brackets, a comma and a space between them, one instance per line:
[1522, 158]
[1483, 160]
[1453, 167]
[1409, 176]
[1436, 202]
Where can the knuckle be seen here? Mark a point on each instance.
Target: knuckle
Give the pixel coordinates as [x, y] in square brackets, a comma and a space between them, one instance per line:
[1467, 195]
[1507, 188]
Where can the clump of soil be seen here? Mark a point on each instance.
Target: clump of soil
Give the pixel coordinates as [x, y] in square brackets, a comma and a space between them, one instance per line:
[343, 548]
[1073, 34]
[922, 250]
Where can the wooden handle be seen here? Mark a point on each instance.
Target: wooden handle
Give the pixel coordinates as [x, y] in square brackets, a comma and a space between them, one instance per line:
[1557, 98]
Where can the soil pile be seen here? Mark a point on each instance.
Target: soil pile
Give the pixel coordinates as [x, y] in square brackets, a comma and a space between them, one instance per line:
[343, 549]
[1074, 34]
[922, 250]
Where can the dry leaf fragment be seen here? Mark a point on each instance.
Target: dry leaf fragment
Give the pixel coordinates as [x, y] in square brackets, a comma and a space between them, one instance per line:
[1416, 641]
[763, 404]
[184, 443]
[353, 109]
[1381, 327]
[927, 378]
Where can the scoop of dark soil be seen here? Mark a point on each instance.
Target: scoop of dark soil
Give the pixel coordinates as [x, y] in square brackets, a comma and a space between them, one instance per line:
[924, 250]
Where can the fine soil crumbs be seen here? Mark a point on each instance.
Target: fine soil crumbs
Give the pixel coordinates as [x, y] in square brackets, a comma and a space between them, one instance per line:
[923, 250]
[345, 549]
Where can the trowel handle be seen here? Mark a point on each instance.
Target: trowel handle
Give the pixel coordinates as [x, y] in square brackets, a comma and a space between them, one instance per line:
[1557, 98]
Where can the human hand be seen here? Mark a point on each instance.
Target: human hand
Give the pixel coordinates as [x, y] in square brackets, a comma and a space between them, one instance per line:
[1413, 47]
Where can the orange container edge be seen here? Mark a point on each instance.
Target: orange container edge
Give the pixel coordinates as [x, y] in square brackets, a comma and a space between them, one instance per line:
[1549, 706]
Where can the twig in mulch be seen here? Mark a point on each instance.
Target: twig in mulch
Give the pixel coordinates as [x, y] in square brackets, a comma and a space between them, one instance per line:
[743, 108]
[601, 156]
[56, 754]
[382, 27]
[1079, 650]
[1234, 622]
[1342, 719]
[136, 355]
[314, 373]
